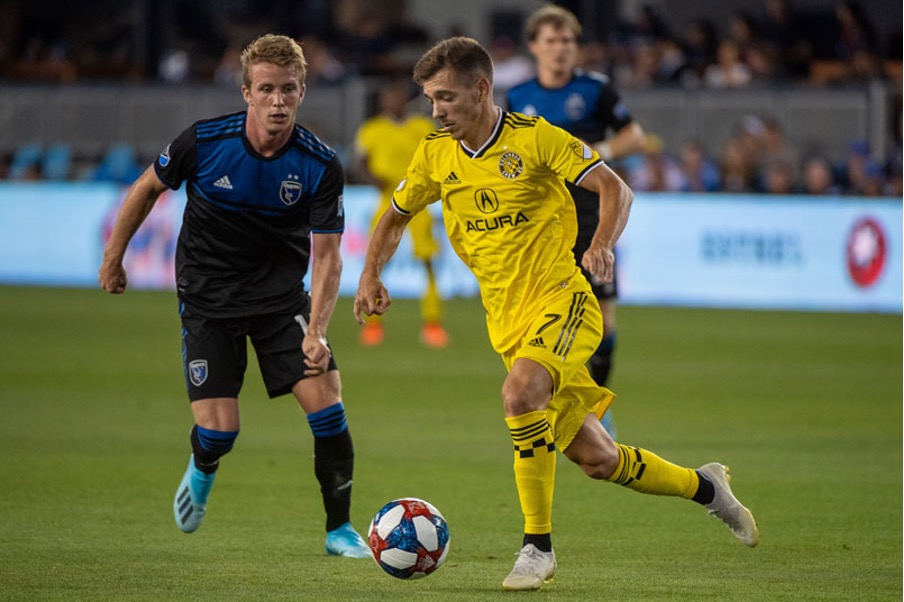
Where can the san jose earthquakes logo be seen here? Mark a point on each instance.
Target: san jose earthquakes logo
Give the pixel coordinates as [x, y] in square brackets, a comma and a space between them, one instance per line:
[290, 190]
[164, 157]
[511, 165]
[197, 372]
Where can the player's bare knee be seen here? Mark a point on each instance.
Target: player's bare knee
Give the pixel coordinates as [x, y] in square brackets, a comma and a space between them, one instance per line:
[517, 401]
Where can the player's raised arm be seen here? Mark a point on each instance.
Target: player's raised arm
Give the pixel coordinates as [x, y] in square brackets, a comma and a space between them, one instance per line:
[372, 297]
[615, 205]
[135, 208]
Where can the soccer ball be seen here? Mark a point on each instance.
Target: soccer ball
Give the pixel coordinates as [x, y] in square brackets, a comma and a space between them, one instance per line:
[409, 538]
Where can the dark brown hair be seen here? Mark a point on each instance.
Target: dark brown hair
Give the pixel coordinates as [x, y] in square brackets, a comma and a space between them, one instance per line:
[462, 54]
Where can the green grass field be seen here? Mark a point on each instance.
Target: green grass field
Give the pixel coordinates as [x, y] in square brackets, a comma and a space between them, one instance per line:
[805, 408]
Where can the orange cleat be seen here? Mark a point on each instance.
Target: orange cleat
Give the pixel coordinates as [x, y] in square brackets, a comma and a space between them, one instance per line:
[372, 334]
[434, 335]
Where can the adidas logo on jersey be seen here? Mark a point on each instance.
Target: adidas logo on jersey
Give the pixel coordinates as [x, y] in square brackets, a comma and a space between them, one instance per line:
[451, 179]
[537, 342]
[223, 183]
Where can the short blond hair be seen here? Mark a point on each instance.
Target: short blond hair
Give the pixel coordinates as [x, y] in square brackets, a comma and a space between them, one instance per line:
[553, 15]
[278, 50]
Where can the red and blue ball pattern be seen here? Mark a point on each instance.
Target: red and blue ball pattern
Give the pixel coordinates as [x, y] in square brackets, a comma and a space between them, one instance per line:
[409, 538]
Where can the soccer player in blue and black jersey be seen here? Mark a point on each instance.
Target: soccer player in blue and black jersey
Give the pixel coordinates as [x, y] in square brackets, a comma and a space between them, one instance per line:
[262, 191]
[586, 105]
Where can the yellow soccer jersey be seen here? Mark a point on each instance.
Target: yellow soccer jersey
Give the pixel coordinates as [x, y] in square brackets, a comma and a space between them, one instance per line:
[507, 212]
[389, 146]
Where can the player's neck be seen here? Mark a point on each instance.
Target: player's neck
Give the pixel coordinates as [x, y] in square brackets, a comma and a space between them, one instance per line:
[266, 143]
[484, 128]
[554, 78]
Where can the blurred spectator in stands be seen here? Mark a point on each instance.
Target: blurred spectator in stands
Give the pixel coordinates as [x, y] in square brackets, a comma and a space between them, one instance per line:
[861, 175]
[672, 68]
[641, 71]
[324, 69]
[742, 28]
[700, 172]
[510, 67]
[729, 71]
[853, 173]
[594, 55]
[374, 36]
[700, 45]
[228, 72]
[645, 24]
[778, 177]
[656, 170]
[749, 134]
[175, 66]
[819, 177]
[764, 65]
[855, 32]
[775, 146]
[46, 59]
[737, 168]
[856, 42]
[783, 32]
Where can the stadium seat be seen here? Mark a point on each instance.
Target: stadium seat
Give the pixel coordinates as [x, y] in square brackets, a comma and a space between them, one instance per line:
[57, 161]
[119, 165]
[26, 159]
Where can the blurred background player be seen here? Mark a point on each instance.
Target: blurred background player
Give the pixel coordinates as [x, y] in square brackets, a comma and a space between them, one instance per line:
[586, 105]
[243, 251]
[384, 145]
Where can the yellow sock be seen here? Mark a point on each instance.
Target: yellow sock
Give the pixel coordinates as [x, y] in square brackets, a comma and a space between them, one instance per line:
[535, 469]
[432, 303]
[644, 471]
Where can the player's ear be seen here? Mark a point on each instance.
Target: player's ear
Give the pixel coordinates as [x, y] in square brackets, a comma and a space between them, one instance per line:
[246, 94]
[484, 89]
[301, 96]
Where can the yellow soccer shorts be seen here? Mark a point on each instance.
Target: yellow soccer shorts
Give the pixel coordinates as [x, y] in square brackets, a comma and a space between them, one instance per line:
[561, 338]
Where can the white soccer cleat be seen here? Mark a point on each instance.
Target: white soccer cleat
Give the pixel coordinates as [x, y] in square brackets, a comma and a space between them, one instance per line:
[532, 569]
[726, 507]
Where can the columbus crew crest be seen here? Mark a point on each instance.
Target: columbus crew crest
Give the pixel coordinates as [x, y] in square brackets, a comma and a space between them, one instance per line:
[511, 165]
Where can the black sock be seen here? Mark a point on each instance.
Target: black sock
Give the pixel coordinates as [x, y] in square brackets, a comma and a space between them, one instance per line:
[601, 360]
[705, 492]
[541, 542]
[334, 460]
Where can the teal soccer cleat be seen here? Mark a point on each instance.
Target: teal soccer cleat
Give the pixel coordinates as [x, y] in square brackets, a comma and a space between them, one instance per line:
[190, 504]
[345, 541]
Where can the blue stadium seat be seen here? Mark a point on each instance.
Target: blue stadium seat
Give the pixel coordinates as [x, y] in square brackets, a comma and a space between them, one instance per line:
[57, 161]
[26, 157]
[119, 164]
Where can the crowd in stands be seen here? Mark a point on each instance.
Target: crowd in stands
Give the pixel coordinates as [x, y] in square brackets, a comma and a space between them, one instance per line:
[110, 40]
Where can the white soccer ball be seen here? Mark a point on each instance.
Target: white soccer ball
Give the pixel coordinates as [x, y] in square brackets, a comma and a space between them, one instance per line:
[409, 538]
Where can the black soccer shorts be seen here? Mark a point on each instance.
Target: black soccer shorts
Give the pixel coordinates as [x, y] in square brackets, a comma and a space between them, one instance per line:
[215, 351]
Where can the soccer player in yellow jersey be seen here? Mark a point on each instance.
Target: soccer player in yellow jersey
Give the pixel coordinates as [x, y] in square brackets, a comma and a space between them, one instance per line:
[384, 145]
[500, 178]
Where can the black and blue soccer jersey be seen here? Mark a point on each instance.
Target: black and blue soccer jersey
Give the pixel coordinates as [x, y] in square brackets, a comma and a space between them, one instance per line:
[586, 107]
[245, 243]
